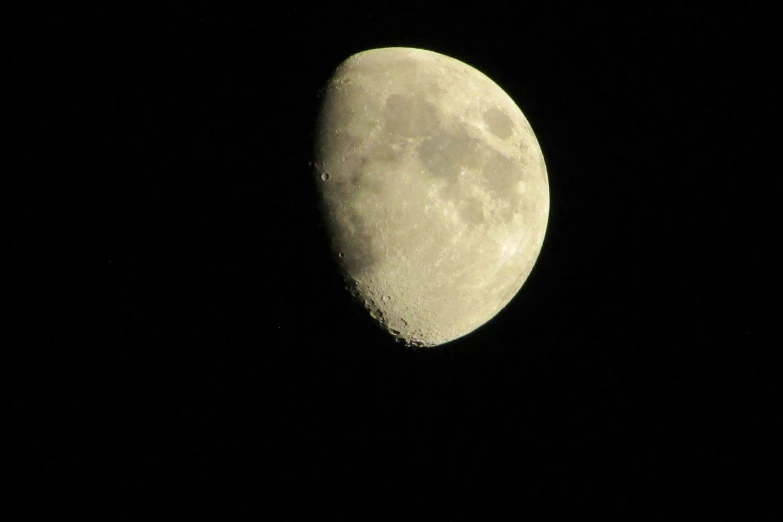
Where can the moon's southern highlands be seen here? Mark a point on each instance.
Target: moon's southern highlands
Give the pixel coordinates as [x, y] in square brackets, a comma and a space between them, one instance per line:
[434, 191]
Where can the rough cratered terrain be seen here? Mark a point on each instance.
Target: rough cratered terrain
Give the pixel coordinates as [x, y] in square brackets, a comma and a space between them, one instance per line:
[434, 190]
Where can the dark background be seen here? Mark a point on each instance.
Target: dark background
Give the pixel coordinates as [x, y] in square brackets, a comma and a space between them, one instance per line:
[178, 343]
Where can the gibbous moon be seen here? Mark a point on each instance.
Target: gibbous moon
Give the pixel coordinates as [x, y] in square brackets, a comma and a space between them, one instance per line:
[434, 191]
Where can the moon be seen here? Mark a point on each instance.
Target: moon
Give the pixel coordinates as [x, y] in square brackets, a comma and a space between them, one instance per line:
[434, 191]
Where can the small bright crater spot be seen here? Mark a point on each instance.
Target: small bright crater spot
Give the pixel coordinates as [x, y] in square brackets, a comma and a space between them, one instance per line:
[325, 176]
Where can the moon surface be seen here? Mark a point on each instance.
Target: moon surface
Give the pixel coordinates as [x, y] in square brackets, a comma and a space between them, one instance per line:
[434, 191]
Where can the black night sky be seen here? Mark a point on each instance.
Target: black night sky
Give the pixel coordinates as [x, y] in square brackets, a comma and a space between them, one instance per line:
[177, 342]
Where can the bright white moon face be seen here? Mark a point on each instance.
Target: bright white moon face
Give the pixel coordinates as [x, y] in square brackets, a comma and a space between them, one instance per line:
[434, 191]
